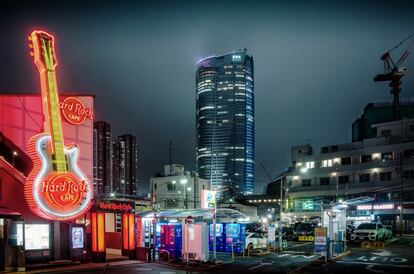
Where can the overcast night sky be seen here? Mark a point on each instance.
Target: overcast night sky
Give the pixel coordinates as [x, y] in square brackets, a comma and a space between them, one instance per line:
[314, 65]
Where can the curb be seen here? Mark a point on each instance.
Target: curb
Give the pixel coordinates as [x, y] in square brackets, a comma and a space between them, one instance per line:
[82, 267]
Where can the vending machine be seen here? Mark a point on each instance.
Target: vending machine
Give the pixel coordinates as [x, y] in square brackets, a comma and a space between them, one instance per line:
[220, 238]
[236, 236]
[170, 241]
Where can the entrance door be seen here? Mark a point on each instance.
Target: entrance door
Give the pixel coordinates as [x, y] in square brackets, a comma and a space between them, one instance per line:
[64, 241]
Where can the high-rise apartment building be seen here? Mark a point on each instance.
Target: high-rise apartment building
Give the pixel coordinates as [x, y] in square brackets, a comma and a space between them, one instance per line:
[125, 160]
[102, 164]
[225, 122]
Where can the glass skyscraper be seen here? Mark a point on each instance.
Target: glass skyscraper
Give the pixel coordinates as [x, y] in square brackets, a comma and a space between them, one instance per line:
[225, 122]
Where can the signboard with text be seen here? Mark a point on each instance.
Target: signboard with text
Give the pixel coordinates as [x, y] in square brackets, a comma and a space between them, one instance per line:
[115, 206]
[208, 199]
[321, 240]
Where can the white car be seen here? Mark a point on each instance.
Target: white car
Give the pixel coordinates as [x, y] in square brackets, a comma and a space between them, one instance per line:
[254, 241]
[372, 232]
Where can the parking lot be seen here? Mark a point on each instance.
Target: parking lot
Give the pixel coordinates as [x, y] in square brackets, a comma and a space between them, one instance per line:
[396, 256]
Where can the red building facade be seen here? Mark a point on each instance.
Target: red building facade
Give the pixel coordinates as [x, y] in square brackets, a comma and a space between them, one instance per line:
[21, 117]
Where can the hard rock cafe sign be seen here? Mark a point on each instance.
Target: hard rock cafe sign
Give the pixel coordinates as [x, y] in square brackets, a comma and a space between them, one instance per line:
[56, 188]
[75, 111]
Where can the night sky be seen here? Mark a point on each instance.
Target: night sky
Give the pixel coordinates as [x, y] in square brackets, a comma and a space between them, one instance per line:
[314, 65]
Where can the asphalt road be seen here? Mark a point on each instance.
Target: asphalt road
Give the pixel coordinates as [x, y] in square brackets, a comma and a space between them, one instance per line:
[395, 257]
[130, 269]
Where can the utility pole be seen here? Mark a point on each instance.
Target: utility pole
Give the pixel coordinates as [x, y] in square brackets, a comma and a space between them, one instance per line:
[280, 213]
[401, 196]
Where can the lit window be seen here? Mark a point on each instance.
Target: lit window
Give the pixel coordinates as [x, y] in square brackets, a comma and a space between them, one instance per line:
[310, 164]
[327, 163]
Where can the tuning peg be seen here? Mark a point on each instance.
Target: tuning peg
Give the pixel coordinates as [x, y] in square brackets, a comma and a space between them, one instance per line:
[31, 53]
[30, 45]
[29, 38]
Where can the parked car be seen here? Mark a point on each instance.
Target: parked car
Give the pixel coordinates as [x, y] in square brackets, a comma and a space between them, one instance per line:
[350, 232]
[254, 241]
[287, 233]
[372, 232]
[304, 229]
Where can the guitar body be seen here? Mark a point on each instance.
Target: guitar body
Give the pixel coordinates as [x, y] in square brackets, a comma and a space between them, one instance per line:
[68, 194]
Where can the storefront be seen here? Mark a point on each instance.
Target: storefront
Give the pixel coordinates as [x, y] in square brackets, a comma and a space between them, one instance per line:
[113, 229]
[29, 236]
[387, 213]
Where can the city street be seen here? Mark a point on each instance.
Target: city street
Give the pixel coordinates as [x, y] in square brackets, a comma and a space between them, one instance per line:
[395, 257]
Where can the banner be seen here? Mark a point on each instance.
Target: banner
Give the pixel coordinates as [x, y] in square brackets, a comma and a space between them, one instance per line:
[208, 199]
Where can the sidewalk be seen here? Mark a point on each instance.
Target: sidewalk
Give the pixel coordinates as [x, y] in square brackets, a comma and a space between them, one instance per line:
[82, 267]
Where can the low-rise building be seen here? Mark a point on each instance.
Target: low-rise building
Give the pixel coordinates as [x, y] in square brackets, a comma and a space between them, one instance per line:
[177, 188]
[381, 167]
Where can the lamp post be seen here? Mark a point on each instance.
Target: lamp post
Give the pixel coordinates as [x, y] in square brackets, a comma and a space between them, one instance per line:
[183, 182]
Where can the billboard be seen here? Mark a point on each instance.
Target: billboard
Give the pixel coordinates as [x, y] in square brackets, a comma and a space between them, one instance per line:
[208, 199]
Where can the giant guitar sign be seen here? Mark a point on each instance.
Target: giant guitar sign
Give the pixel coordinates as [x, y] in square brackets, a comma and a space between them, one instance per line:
[56, 188]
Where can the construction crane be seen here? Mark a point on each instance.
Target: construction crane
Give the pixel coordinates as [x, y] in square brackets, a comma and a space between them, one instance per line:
[267, 173]
[393, 72]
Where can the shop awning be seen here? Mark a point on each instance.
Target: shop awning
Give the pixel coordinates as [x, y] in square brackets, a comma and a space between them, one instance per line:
[5, 212]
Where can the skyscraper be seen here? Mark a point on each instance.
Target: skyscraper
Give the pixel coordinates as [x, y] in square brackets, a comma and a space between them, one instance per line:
[225, 121]
[125, 165]
[102, 164]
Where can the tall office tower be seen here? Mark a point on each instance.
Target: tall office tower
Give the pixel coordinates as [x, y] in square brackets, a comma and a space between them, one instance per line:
[225, 122]
[125, 165]
[102, 164]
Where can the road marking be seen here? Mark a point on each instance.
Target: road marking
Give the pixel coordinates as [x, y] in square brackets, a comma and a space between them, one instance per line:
[258, 266]
[301, 244]
[384, 259]
[384, 253]
[364, 263]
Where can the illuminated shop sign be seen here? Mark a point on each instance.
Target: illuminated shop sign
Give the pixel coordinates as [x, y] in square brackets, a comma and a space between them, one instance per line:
[307, 205]
[208, 199]
[114, 206]
[77, 237]
[75, 111]
[37, 236]
[56, 188]
[375, 207]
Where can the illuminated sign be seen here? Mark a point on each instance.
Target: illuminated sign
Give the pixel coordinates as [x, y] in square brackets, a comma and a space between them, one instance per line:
[75, 111]
[115, 206]
[36, 236]
[375, 207]
[208, 199]
[56, 188]
[77, 237]
[307, 205]
[236, 58]
[306, 238]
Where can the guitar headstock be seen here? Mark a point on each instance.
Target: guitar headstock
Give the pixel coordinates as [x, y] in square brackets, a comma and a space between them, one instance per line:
[43, 50]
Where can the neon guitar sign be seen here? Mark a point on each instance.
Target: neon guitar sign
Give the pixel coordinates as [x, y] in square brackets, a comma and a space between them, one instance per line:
[56, 188]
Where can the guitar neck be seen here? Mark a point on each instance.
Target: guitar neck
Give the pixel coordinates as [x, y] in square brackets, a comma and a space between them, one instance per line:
[53, 121]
